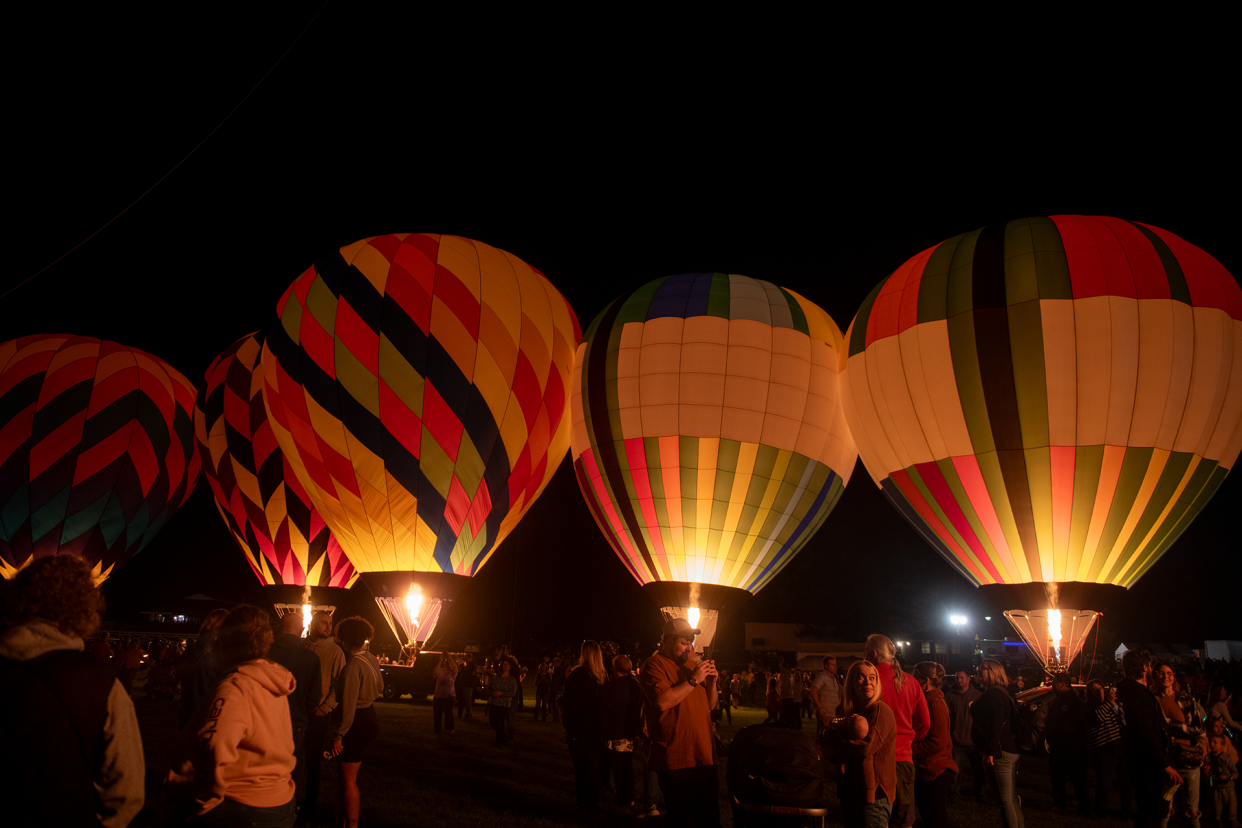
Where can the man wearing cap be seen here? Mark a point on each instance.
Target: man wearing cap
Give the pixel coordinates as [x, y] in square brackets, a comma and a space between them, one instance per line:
[680, 693]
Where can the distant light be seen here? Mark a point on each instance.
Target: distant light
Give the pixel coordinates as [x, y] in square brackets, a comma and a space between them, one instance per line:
[987, 618]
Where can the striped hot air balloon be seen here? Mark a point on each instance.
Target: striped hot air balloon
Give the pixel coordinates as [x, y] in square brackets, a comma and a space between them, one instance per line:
[96, 450]
[1050, 402]
[284, 539]
[417, 386]
[707, 435]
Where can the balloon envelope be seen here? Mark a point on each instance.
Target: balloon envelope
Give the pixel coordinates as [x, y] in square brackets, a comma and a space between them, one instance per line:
[266, 509]
[707, 434]
[1051, 400]
[96, 449]
[417, 385]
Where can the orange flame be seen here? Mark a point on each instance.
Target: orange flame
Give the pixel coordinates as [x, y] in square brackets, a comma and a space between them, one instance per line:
[1054, 634]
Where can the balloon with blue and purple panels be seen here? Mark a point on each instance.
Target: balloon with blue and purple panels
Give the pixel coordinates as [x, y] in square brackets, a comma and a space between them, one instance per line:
[708, 438]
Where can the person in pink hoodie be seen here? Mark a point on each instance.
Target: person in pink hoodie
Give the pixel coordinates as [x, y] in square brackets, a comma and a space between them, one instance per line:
[905, 696]
[234, 765]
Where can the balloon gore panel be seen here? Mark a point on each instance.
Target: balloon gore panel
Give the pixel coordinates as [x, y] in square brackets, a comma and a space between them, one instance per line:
[96, 450]
[266, 509]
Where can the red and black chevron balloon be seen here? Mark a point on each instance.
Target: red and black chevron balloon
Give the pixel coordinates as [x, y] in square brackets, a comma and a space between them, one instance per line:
[267, 510]
[96, 449]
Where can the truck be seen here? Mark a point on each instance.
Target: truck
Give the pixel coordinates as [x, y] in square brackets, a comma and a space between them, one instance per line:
[417, 681]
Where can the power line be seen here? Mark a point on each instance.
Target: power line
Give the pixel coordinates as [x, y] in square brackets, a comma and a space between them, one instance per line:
[105, 225]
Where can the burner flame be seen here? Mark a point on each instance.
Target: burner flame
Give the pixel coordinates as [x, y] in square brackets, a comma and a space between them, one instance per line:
[1054, 635]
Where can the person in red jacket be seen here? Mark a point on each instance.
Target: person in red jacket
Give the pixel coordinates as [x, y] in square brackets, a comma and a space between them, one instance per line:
[934, 768]
[904, 695]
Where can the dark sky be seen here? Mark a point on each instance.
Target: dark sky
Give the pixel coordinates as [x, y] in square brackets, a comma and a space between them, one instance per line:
[604, 167]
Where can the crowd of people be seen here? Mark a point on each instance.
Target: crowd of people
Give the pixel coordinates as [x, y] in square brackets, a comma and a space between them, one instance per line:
[263, 708]
[1150, 741]
[260, 708]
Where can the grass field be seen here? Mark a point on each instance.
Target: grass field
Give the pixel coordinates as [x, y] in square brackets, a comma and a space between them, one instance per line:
[414, 778]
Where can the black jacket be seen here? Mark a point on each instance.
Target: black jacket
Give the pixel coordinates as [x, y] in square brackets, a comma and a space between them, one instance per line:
[582, 708]
[52, 735]
[1146, 742]
[292, 653]
[990, 730]
[1066, 726]
[621, 700]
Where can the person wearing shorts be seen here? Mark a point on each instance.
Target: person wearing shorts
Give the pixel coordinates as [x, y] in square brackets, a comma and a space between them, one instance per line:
[361, 683]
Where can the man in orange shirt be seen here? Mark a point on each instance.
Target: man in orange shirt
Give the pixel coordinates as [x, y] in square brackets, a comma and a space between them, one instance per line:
[679, 694]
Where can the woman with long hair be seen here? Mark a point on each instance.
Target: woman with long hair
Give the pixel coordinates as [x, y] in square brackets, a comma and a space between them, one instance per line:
[992, 735]
[905, 698]
[934, 768]
[866, 737]
[1183, 721]
[235, 762]
[196, 669]
[361, 683]
[582, 712]
[445, 674]
[1218, 699]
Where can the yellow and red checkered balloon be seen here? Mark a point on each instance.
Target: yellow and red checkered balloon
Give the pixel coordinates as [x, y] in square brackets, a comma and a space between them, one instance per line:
[418, 385]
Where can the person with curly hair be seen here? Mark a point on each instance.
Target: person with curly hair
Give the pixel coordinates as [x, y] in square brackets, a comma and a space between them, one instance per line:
[234, 764]
[75, 752]
[361, 683]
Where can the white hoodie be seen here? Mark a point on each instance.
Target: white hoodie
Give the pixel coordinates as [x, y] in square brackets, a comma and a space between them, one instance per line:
[239, 743]
[119, 780]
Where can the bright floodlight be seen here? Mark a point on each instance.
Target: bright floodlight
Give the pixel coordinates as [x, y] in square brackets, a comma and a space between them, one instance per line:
[957, 619]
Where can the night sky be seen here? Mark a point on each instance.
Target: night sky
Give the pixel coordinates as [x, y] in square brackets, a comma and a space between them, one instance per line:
[604, 169]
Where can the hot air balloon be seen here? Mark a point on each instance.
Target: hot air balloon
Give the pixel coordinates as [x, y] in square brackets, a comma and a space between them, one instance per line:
[417, 386]
[96, 450]
[707, 435]
[1050, 402]
[284, 539]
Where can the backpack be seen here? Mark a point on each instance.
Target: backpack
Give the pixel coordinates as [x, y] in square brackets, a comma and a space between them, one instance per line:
[1026, 723]
[775, 765]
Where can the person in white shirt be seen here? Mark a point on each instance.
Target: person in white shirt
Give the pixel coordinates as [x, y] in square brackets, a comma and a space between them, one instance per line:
[826, 691]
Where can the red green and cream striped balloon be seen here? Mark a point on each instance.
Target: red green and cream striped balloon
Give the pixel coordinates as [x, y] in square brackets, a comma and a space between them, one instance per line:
[1050, 400]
